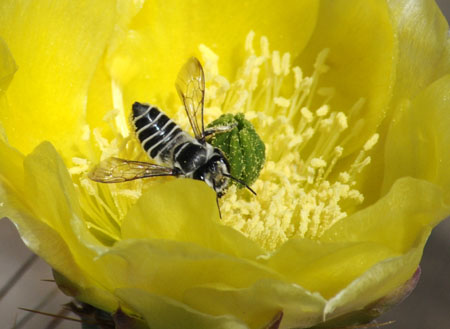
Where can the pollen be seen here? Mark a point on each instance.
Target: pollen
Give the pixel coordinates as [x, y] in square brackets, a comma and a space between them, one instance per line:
[305, 187]
[105, 205]
[300, 192]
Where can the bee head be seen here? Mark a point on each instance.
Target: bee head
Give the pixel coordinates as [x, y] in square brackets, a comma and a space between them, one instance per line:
[215, 172]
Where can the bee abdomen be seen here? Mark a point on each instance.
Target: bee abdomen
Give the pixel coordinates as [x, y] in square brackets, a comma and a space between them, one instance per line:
[190, 156]
[144, 114]
[154, 129]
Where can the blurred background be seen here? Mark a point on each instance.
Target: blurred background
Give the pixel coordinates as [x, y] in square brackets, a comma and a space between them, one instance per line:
[23, 275]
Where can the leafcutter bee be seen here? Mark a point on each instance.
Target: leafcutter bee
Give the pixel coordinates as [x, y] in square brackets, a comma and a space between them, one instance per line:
[175, 152]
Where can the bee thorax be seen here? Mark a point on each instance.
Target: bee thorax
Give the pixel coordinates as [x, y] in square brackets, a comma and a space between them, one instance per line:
[214, 173]
[175, 152]
[189, 156]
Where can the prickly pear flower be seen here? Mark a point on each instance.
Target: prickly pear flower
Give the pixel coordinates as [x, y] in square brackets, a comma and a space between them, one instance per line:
[350, 99]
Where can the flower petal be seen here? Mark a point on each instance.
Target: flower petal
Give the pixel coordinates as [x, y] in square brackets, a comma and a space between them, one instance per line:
[401, 221]
[99, 98]
[51, 224]
[156, 216]
[418, 141]
[37, 235]
[169, 267]
[422, 31]
[424, 56]
[48, 184]
[165, 313]
[398, 219]
[362, 54]
[162, 38]
[7, 66]
[389, 228]
[377, 282]
[260, 302]
[102, 94]
[11, 171]
[326, 268]
[57, 47]
[33, 232]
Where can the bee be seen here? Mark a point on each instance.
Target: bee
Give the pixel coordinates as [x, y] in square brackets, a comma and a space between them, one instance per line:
[175, 152]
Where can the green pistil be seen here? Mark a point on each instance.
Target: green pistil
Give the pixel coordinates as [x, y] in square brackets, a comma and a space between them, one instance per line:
[242, 146]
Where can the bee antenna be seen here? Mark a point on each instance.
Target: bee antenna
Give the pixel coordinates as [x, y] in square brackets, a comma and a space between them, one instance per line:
[218, 206]
[217, 200]
[240, 181]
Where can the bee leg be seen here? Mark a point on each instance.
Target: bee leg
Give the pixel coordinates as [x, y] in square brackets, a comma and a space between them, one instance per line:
[218, 130]
[217, 200]
[218, 207]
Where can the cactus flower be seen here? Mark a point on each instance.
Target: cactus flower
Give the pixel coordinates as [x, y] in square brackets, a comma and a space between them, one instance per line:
[350, 98]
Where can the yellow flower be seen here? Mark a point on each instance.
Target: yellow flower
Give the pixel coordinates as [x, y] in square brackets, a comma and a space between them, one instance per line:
[351, 98]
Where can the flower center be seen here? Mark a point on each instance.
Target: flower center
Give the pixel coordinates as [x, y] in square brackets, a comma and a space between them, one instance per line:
[300, 191]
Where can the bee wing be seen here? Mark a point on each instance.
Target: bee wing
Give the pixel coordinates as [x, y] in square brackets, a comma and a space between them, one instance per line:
[115, 170]
[190, 85]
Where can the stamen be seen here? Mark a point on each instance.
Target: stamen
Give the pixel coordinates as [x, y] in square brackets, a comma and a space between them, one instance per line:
[264, 43]
[121, 119]
[281, 101]
[300, 192]
[295, 194]
[86, 133]
[371, 142]
[249, 42]
[105, 205]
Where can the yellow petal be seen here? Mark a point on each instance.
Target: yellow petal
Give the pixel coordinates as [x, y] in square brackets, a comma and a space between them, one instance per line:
[100, 96]
[99, 99]
[362, 55]
[422, 31]
[377, 282]
[51, 224]
[191, 222]
[11, 171]
[326, 267]
[423, 56]
[87, 291]
[164, 313]
[156, 216]
[49, 237]
[170, 267]
[400, 221]
[418, 142]
[54, 201]
[37, 235]
[260, 302]
[33, 232]
[7, 66]
[56, 47]
[389, 228]
[165, 33]
[444, 63]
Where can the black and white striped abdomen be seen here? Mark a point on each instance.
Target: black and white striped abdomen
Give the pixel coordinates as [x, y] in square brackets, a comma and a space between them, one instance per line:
[158, 134]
